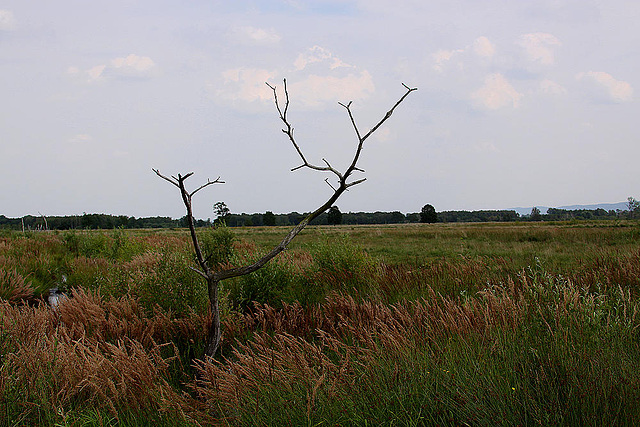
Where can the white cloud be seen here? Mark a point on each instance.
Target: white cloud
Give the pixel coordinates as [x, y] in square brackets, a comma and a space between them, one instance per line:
[7, 20]
[550, 87]
[496, 93]
[130, 66]
[614, 90]
[442, 57]
[318, 54]
[315, 91]
[258, 36]
[538, 47]
[95, 73]
[133, 64]
[81, 138]
[485, 147]
[483, 47]
[246, 84]
[331, 81]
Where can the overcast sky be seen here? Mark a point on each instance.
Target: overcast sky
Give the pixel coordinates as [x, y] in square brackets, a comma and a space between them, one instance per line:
[519, 103]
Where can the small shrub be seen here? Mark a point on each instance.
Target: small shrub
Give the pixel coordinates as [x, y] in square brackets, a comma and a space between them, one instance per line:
[123, 247]
[116, 245]
[217, 244]
[342, 265]
[267, 285]
[88, 244]
[169, 282]
[332, 264]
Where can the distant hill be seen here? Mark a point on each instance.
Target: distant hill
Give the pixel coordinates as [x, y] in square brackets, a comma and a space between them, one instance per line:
[606, 206]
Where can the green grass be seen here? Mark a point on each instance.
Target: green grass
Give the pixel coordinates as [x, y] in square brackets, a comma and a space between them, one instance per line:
[418, 244]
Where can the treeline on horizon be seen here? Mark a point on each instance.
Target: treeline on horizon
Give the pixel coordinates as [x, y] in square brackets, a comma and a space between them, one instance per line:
[106, 221]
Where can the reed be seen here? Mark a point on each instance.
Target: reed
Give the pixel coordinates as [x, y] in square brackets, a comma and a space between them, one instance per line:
[529, 352]
[92, 354]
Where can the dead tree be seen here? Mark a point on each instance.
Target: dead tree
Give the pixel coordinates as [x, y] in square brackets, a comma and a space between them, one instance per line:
[210, 273]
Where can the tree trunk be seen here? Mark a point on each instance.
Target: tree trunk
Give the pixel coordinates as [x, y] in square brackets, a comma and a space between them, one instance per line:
[213, 335]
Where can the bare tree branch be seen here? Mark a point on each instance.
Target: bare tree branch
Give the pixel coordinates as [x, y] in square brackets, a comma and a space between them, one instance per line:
[199, 272]
[390, 112]
[351, 184]
[209, 182]
[46, 225]
[172, 180]
[186, 199]
[342, 177]
[353, 121]
[289, 131]
[329, 184]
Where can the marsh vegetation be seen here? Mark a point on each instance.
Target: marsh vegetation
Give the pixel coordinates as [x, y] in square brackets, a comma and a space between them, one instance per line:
[482, 324]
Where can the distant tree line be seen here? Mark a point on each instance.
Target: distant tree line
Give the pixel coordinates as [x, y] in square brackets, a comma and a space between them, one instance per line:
[554, 214]
[332, 216]
[479, 216]
[91, 221]
[105, 221]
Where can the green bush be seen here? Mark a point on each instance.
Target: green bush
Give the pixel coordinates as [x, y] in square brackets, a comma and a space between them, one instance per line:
[216, 244]
[88, 244]
[335, 264]
[163, 278]
[339, 264]
[116, 245]
[268, 285]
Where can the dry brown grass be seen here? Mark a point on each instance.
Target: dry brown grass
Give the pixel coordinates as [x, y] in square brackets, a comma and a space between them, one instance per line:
[13, 286]
[110, 354]
[62, 370]
[87, 314]
[611, 268]
[331, 344]
[92, 353]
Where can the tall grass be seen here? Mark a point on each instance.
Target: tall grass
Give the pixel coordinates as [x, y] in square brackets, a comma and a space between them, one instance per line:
[533, 352]
[91, 354]
[334, 332]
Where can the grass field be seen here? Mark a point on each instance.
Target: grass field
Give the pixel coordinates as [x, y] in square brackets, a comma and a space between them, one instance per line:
[465, 324]
[417, 244]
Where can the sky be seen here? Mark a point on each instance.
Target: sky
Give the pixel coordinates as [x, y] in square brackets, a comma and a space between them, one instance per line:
[519, 103]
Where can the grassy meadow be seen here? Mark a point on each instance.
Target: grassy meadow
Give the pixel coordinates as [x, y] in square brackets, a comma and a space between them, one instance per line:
[440, 324]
